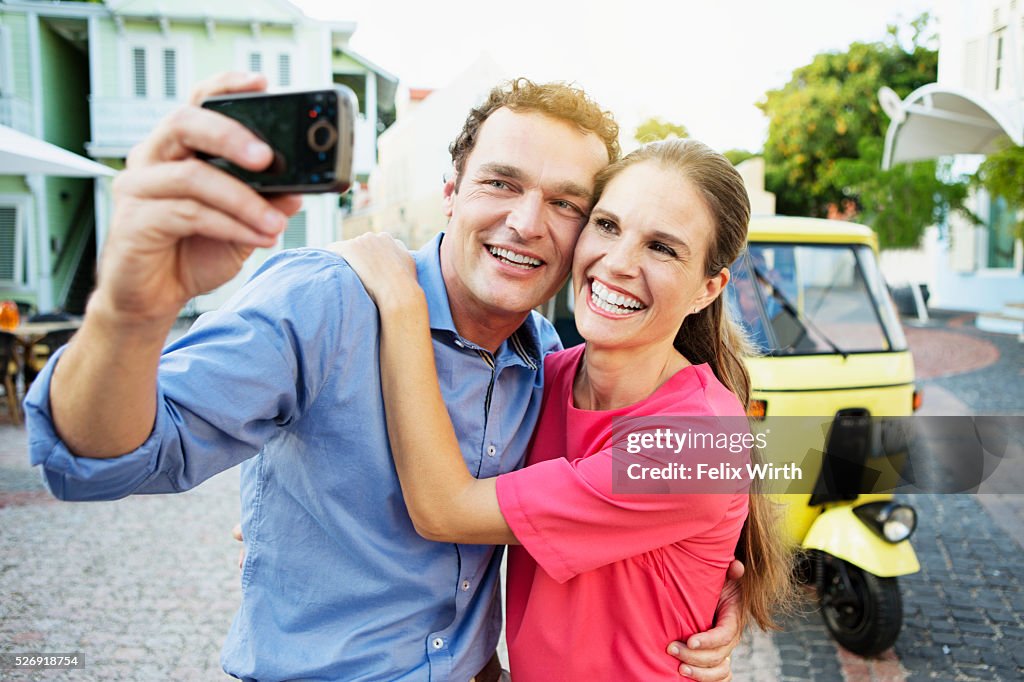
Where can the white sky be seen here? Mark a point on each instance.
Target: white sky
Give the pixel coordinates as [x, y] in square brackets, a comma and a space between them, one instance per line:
[700, 63]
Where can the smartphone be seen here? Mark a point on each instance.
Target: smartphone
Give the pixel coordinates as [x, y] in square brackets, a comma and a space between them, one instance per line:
[311, 132]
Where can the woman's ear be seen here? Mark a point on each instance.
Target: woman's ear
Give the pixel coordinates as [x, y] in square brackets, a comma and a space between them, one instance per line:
[713, 288]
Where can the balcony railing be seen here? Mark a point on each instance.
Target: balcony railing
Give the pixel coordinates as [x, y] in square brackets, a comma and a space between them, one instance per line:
[120, 123]
[16, 113]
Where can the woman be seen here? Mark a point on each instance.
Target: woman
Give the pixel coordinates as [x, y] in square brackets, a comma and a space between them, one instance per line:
[600, 578]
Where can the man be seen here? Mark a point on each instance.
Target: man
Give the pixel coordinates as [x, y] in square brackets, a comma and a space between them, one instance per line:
[285, 379]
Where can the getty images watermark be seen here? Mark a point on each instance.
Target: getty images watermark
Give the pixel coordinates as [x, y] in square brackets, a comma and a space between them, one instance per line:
[844, 455]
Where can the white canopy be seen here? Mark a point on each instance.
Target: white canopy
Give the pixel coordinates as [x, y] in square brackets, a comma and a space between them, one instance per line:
[22, 154]
[938, 121]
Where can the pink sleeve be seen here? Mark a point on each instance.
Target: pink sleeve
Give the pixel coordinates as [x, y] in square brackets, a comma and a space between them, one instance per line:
[566, 516]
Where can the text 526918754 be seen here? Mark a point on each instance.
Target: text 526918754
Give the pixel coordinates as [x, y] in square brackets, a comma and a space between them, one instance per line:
[42, 661]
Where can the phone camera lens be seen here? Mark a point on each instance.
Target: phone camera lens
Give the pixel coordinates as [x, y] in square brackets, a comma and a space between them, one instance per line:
[321, 136]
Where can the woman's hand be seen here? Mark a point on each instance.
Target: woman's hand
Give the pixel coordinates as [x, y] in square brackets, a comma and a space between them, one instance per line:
[384, 265]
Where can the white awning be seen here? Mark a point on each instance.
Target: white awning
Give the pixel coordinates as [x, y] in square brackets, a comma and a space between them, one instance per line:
[22, 154]
[936, 121]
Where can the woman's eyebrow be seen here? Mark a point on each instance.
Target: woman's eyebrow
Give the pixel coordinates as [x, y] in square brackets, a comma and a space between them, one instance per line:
[610, 215]
[658, 235]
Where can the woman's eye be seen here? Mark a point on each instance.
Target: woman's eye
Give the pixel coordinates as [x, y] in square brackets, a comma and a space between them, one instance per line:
[661, 248]
[604, 225]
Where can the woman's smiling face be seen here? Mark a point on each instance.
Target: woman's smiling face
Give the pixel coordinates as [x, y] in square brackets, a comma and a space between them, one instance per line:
[639, 266]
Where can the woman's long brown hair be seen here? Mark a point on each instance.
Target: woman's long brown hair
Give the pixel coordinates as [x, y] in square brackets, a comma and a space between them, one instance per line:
[711, 336]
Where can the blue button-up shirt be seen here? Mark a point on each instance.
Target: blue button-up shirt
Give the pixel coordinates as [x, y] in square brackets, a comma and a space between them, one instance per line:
[285, 380]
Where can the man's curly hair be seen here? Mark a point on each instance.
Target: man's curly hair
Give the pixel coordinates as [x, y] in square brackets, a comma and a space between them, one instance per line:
[558, 100]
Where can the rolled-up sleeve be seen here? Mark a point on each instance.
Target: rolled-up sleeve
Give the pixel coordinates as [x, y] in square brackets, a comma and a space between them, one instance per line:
[569, 520]
[61, 469]
[227, 387]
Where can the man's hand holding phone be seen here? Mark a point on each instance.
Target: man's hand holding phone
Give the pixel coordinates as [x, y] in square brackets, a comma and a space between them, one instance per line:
[181, 226]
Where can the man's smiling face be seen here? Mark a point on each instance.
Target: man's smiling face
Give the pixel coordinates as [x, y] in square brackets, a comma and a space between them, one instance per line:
[521, 200]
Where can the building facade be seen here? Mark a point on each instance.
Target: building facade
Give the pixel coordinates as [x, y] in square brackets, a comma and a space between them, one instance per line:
[96, 78]
[976, 107]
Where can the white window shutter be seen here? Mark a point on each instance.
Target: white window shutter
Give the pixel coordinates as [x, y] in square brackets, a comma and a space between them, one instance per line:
[256, 62]
[170, 73]
[974, 73]
[295, 233]
[139, 71]
[284, 70]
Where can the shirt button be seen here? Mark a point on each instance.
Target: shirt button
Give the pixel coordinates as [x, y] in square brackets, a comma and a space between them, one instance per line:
[459, 344]
[465, 585]
[438, 642]
[491, 450]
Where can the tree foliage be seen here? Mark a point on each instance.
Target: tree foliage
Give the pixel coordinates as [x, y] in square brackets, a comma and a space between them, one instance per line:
[826, 130]
[1002, 174]
[655, 128]
[738, 156]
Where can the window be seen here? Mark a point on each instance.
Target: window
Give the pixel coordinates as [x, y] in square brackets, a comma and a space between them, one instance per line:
[170, 73]
[357, 82]
[295, 233]
[1000, 39]
[803, 299]
[1001, 237]
[10, 246]
[139, 71]
[256, 62]
[284, 70]
[156, 68]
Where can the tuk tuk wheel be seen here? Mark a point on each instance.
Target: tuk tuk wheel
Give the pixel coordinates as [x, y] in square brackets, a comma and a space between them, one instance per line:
[862, 611]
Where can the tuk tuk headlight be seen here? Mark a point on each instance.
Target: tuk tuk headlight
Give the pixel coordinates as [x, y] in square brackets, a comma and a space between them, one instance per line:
[891, 521]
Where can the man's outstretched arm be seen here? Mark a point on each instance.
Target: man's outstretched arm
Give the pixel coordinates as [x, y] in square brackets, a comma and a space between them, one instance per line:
[180, 227]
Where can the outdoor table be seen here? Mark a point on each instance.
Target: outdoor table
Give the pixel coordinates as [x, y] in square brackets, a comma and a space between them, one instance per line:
[27, 334]
[30, 333]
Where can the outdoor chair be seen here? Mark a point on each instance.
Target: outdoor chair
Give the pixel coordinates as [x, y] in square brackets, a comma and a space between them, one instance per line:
[9, 372]
[41, 352]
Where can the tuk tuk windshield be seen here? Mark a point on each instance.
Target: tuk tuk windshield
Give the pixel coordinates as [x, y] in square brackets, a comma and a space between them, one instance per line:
[805, 299]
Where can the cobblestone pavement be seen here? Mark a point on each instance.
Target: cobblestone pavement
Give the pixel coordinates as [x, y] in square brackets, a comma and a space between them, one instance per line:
[145, 588]
[963, 613]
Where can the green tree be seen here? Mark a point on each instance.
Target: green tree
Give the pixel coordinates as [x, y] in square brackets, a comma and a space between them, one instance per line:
[655, 128]
[738, 156]
[826, 131]
[1002, 174]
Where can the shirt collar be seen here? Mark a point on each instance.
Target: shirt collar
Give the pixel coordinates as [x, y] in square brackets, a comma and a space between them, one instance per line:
[428, 271]
[524, 344]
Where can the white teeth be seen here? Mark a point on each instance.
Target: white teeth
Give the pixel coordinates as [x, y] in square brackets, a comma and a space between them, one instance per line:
[515, 258]
[611, 301]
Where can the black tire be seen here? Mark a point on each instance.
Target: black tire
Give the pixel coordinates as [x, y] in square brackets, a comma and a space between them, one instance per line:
[864, 614]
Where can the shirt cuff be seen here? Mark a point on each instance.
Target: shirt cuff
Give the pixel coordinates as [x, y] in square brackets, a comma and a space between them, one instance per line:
[512, 502]
[82, 478]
